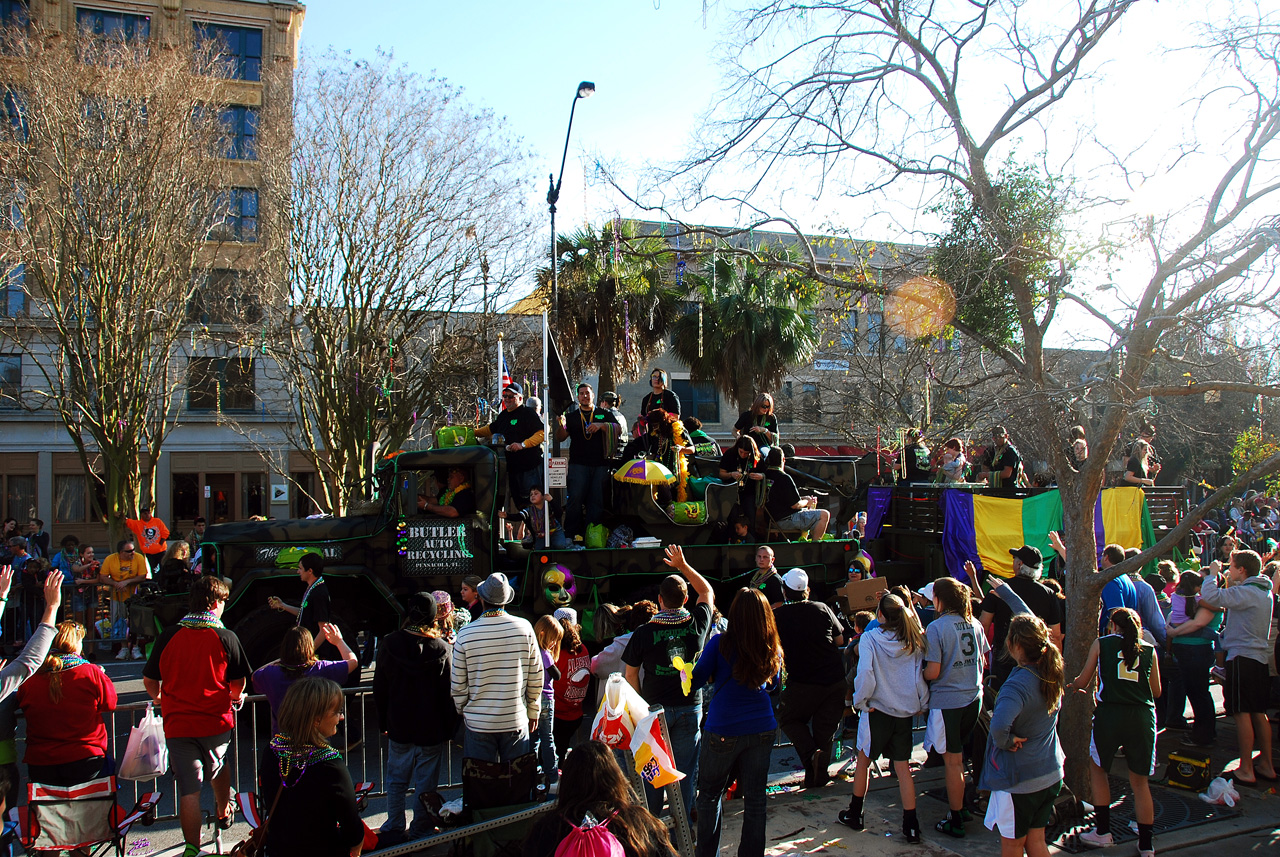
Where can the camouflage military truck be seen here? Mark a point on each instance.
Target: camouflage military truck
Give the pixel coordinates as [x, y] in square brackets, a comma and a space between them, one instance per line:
[375, 560]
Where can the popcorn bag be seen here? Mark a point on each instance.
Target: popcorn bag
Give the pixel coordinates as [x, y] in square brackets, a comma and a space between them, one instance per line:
[620, 710]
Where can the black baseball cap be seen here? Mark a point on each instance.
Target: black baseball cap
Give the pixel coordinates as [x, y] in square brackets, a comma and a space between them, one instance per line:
[1030, 556]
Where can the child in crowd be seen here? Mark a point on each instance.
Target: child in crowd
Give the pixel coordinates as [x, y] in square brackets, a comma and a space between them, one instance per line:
[1125, 717]
[890, 689]
[470, 595]
[542, 513]
[957, 649]
[574, 665]
[549, 633]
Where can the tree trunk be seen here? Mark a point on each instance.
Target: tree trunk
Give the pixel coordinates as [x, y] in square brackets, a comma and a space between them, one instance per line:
[1080, 629]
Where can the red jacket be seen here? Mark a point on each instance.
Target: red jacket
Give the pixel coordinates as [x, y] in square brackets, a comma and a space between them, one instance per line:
[71, 729]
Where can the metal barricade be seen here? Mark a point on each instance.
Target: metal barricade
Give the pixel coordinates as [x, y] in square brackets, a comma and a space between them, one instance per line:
[251, 734]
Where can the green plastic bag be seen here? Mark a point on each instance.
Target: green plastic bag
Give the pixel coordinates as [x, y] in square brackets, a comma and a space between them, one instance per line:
[597, 535]
[450, 437]
[697, 487]
[288, 557]
[690, 513]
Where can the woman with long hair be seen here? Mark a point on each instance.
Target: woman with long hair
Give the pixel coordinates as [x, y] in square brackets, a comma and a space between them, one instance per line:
[63, 705]
[316, 813]
[1024, 724]
[175, 567]
[1125, 717]
[956, 651]
[297, 660]
[889, 691]
[744, 663]
[759, 414]
[1137, 471]
[592, 784]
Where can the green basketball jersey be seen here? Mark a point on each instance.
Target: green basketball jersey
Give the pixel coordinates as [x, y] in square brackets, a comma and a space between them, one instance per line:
[1117, 683]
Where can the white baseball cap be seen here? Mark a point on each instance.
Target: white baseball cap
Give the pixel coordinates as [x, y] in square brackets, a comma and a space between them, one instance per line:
[927, 591]
[796, 580]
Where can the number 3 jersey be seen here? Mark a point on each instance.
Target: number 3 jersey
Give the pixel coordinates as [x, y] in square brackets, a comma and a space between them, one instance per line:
[961, 647]
[1118, 684]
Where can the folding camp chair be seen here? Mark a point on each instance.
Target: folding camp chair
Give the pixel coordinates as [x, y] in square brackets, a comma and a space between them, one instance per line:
[84, 816]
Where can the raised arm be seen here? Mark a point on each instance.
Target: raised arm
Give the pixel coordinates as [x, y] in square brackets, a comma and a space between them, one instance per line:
[675, 558]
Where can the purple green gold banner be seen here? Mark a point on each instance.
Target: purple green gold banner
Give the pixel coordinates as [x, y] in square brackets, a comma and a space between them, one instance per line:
[983, 529]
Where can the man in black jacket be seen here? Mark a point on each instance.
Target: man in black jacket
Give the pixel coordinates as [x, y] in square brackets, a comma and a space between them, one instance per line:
[416, 713]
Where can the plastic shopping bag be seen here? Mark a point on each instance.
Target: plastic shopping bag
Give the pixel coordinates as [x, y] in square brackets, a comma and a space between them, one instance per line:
[1221, 791]
[146, 757]
[620, 710]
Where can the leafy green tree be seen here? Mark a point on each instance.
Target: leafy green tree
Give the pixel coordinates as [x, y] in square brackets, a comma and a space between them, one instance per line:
[1252, 447]
[755, 324]
[1015, 241]
[617, 301]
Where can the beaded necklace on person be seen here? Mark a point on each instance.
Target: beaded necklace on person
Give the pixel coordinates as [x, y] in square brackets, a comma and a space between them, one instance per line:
[303, 606]
[671, 617]
[493, 611]
[66, 661]
[203, 619]
[447, 497]
[297, 759]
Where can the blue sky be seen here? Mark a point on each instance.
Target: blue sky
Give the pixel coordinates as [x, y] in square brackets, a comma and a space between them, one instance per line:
[651, 61]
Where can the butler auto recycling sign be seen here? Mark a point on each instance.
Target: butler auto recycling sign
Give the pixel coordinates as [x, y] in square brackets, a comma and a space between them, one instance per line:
[438, 548]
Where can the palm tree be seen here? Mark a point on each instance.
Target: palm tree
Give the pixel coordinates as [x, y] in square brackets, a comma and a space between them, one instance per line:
[755, 324]
[616, 300]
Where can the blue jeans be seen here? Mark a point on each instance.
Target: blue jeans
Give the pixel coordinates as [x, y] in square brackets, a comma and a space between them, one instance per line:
[1190, 682]
[544, 745]
[721, 754]
[495, 746]
[586, 497]
[410, 764]
[684, 723]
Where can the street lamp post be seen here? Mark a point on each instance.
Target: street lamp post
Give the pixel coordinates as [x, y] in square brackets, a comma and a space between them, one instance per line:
[586, 89]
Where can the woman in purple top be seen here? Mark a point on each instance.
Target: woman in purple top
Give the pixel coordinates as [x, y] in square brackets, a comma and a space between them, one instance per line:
[298, 659]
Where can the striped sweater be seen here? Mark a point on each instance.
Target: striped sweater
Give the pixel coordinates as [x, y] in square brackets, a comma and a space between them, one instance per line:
[497, 674]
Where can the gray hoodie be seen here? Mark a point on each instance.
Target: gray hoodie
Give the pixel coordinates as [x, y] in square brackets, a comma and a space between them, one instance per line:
[1248, 606]
[28, 660]
[890, 678]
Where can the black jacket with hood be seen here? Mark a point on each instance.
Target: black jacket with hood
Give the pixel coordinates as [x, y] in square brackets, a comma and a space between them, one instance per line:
[411, 690]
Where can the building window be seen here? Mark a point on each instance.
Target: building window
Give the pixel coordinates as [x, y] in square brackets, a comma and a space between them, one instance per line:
[810, 407]
[185, 505]
[238, 220]
[240, 125]
[10, 380]
[784, 405]
[253, 494]
[224, 297]
[70, 503]
[302, 493]
[13, 293]
[698, 399]
[221, 384]
[13, 13]
[849, 332]
[114, 25]
[875, 332]
[15, 112]
[239, 50]
[20, 497]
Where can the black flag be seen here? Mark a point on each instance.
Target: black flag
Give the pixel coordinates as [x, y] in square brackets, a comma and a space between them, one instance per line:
[557, 387]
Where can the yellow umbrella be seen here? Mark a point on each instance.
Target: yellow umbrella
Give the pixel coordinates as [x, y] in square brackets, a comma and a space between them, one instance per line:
[642, 471]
